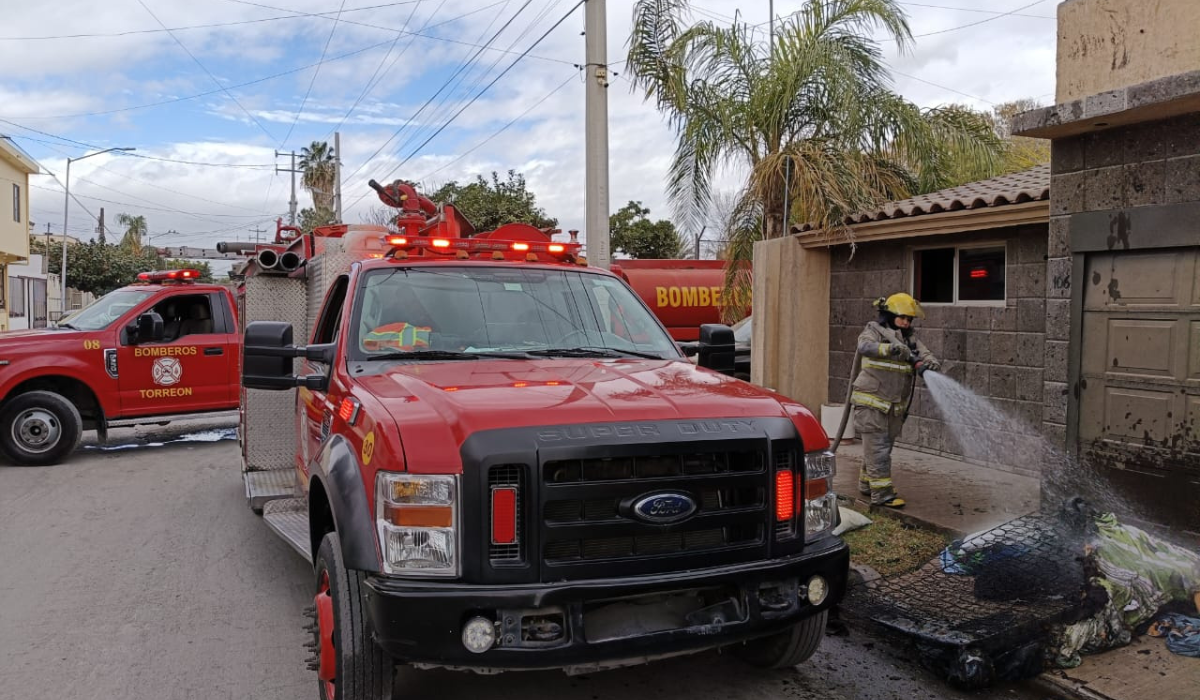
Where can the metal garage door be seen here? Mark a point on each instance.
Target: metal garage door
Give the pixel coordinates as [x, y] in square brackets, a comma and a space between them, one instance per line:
[1139, 402]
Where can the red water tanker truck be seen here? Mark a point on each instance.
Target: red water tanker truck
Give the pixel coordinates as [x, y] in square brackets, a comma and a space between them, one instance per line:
[683, 294]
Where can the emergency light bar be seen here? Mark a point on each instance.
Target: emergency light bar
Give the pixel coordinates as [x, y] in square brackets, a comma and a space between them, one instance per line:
[481, 245]
[169, 276]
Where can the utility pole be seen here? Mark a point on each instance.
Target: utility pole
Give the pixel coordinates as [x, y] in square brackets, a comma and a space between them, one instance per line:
[293, 171]
[100, 228]
[596, 133]
[771, 10]
[258, 231]
[337, 176]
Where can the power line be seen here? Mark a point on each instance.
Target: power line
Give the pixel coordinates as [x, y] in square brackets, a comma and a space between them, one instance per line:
[215, 25]
[316, 72]
[972, 9]
[371, 83]
[479, 94]
[434, 96]
[499, 131]
[248, 166]
[393, 29]
[982, 21]
[210, 75]
[943, 87]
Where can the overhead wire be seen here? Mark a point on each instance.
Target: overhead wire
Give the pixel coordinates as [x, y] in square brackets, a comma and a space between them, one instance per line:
[478, 95]
[982, 21]
[438, 92]
[214, 25]
[316, 72]
[207, 71]
[83, 144]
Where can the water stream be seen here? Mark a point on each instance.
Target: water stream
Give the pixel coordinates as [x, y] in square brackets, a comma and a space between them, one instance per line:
[983, 432]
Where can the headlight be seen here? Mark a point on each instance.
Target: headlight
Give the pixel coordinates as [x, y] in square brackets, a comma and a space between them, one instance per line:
[820, 502]
[417, 519]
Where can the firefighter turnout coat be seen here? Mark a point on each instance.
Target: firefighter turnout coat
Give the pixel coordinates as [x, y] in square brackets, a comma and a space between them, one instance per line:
[885, 381]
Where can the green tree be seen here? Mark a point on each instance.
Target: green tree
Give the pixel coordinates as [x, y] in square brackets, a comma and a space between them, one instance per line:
[490, 205]
[310, 218]
[634, 234]
[318, 173]
[812, 118]
[135, 232]
[198, 265]
[97, 267]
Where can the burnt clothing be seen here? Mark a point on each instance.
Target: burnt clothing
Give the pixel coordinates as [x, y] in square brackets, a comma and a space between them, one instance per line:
[884, 381]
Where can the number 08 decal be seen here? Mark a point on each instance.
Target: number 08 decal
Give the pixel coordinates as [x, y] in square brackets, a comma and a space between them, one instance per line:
[91, 345]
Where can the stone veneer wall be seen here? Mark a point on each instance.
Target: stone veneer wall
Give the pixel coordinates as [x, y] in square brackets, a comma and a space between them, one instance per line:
[998, 351]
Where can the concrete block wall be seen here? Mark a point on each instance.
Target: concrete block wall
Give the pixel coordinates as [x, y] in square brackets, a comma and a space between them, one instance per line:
[1140, 165]
[997, 351]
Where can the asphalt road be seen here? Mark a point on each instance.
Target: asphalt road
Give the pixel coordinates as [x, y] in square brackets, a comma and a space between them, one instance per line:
[140, 574]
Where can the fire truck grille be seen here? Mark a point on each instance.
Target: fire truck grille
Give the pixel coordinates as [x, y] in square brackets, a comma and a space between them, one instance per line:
[508, 475]
[588, 517]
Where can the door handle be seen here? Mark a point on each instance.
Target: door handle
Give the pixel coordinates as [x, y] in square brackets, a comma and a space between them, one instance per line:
[213, 351]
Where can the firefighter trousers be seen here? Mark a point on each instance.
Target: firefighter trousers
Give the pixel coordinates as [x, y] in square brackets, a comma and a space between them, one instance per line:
[878, 432]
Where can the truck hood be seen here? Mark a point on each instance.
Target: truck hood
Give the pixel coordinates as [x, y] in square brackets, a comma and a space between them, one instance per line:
[444, 403]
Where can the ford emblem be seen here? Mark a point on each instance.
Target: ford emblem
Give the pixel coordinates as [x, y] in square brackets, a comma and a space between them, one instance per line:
[660, 508]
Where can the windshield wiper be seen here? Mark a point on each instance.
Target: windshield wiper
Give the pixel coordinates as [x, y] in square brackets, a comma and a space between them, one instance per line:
[444, 355]
[65, 325]
[593, 352]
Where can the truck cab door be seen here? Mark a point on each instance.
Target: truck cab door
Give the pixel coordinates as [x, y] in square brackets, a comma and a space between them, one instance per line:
[315, 408]
[188, 370]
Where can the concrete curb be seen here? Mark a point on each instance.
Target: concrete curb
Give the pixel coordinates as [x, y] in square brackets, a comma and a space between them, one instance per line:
[1063, 686]
[879, 511]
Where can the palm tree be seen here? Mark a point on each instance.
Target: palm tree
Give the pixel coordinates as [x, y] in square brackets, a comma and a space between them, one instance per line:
[135, 231]
[316, 162]
[812, 118]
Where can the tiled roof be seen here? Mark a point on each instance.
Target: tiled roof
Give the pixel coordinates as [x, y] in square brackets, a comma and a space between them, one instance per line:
[1016, 188]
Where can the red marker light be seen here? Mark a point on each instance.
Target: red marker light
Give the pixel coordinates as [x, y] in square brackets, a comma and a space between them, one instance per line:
[346, 409]
[556, 247]
[785, 496]
[504, 515]
[979, 273]
[440, 243]
[520, 246]
[397, 240]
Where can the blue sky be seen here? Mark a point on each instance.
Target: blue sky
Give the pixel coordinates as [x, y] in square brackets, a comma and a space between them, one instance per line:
[204, 167]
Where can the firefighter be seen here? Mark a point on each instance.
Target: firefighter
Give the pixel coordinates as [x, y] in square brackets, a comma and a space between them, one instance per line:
[890, 355]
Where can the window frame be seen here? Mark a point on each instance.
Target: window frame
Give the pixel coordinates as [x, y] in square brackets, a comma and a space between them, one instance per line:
[912, 273]
[16, 202]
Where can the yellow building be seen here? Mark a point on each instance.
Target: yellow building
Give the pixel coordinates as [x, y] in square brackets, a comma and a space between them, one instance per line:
[15, 168]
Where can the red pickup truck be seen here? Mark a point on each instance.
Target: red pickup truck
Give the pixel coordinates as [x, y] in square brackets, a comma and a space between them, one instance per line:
[152, 352]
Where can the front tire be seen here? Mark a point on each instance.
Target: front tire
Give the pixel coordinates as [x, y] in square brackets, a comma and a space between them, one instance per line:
[39, 428]
[789, 648]
[351, 665]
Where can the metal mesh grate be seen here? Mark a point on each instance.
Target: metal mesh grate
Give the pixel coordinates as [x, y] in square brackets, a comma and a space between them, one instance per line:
[1004, 583]
[508, 475]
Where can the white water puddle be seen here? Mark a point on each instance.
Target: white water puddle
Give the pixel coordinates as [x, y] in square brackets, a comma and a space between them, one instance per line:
[215, 435]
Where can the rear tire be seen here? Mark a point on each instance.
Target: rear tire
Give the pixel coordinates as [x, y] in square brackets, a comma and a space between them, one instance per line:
[363, 670]
[786, 649]
[39, 428]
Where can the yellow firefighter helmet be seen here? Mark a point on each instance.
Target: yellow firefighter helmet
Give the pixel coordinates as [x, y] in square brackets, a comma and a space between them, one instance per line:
[901, 304]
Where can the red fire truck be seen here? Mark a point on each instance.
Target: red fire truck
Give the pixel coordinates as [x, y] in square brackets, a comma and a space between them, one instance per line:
[501, 460]
[159, 350]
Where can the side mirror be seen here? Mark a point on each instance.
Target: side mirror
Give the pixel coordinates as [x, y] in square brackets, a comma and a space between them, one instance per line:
[147, 328]
[716, 348]
[267, 354]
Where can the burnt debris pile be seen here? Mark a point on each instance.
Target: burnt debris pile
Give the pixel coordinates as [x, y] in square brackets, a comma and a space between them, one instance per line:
[1032, 593]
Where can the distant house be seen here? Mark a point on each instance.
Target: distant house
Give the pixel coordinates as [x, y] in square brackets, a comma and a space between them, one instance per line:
[15, 168]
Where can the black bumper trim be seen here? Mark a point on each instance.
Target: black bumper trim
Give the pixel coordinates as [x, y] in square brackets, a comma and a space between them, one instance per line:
[421, 622]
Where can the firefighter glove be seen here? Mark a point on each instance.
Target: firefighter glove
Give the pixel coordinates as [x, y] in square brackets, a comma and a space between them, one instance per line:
[901, 352]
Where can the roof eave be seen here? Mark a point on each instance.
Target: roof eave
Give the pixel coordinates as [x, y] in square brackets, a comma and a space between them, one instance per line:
[960, 221]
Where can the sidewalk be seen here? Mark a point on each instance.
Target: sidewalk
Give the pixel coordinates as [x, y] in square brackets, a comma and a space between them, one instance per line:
[959, 498]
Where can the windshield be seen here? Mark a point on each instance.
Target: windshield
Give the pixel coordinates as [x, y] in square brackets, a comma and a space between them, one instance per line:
[105, 310]
[492, 309]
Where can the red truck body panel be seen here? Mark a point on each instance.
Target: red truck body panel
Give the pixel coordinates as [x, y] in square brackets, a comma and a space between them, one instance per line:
[683, 294]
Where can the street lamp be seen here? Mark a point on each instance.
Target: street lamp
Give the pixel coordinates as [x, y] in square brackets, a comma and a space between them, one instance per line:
[66, 208]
